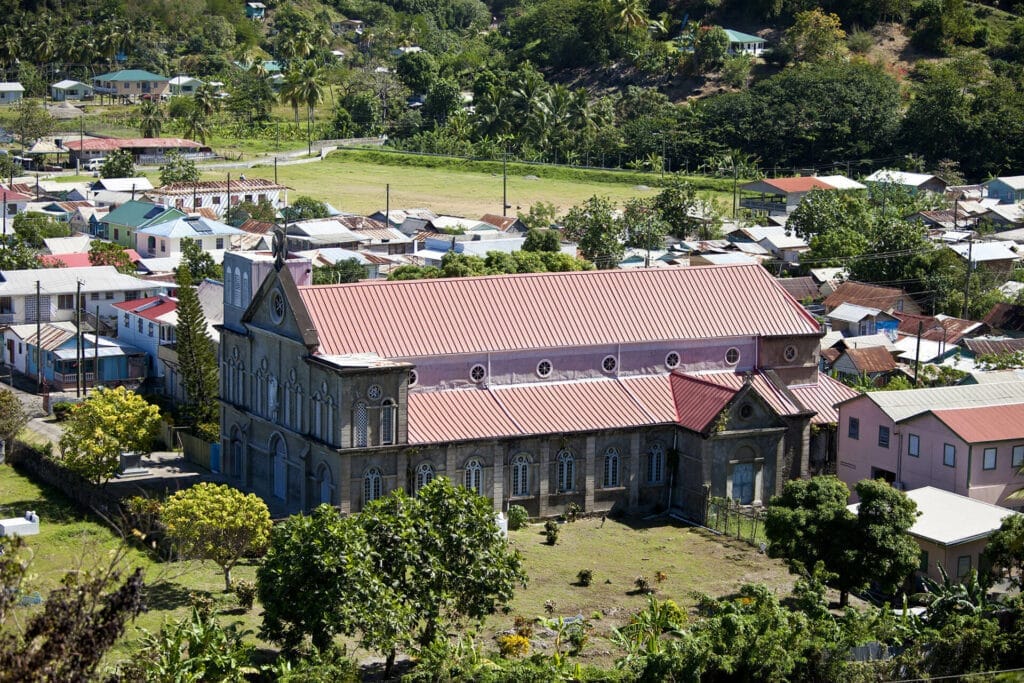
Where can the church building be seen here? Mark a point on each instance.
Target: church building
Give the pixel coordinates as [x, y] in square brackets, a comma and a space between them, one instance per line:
[638, 390]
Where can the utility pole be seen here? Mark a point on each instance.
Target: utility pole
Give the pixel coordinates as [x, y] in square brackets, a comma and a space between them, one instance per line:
[96, 351]
[275, 167]
[967, 280]
[39, 345]
[504, 183]
[387, 204]
[917, 356]
[228, 206]
[5, 219]
[78, 340]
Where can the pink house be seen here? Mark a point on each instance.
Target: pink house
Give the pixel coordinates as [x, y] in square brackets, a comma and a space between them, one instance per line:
[964, 439]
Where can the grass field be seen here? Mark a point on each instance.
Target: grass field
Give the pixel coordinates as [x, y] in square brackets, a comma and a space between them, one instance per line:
[355, 185]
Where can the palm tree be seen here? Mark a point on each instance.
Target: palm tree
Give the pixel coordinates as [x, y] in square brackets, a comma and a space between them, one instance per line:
[290, 90]
[631, 14]
[151, 119]
[206, 99]
[197, 126]
[311, 91]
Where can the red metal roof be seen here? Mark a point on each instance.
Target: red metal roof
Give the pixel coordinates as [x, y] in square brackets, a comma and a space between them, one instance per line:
[12, 196]
[986, 423]
[948, 330]
[823, 397]
[207, 186]
[698, 401]
[872, 296]
[112, 144]
[406, 319]
[456, 415]
[765, 388]
[157, 306]
[798, 184]
[581, 406]
[77, 260]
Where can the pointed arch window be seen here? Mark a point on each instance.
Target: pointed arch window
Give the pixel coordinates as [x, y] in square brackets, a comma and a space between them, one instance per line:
[325, 484]
[611, 469]
[424, 475]
[656, 464]
[566, 478]
[360, 425]
[474, 479]
[521, 475]
[371, 486]
[280, 468]
[388, 414]
[236, 288]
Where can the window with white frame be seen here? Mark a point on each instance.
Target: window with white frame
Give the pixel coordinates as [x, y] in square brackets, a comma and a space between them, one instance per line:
[474, 478]
[360, 425]
[988, 459]
[1017, 459]
[388, 414]
[914, 445]
[611, 469]
[371, 485]
[656, 464]
[566, 474]
[424, 475]
[949, 455]
[521, 475]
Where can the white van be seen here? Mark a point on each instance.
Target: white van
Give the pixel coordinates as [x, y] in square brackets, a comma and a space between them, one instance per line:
[95, 164]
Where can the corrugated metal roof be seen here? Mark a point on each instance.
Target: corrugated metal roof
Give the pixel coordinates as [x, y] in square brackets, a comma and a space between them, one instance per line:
[852, 313]
[65, 280]
[985, 423]
[900, 405]
[698, 401]
[112, 144]
[457, 415]
[1005, 317]
[787, 185]
[994, 346]
[871, 360]
[938, 328]
[872, 296]
[761, 384]
[151, 308]
[580, 406]
[823, 397]
[183, 189]
[551, 310]
[800, 288]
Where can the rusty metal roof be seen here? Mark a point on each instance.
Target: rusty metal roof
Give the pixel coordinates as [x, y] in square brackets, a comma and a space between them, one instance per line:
[871, 360]
[872, 296]
[207, 186]
[937, 328]
[987, 423]
[993, 346]
[406, 319]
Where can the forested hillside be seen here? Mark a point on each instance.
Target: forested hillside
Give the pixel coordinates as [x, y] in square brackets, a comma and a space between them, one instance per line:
[932, 85]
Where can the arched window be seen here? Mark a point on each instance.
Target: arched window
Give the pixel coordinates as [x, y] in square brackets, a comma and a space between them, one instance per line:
[424, 475]
[387, 421]
[151, 243]
[326, 484]
[236, 288]
[360, 424]
[280, 468]
[236, 453]
[287, 396]
[246, 294]
[474, 477]
[327, 421]
[227, 281]
[566, 471]
[656, 464]
[611, 468]
[317, 415]
[521, 475]
[239, 383]
[298, 408]
[371, 486]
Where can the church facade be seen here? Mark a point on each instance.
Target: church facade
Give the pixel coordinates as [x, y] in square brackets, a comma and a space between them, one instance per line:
[636, 390]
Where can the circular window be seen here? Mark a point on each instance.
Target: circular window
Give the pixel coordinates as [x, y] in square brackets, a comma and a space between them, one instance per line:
[544, 368]
[789, 353]
[277, 306]
[672, 360]
[413, 378]
[374, 392]
[477, 373]
[609, 364]
[746, 411]
[732, 356]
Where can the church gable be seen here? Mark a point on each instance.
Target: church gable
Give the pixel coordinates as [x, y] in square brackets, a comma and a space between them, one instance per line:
[277, 307]
[748, 410]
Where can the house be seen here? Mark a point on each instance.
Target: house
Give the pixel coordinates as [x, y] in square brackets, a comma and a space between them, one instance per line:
[993, 346]
[1005, 217]
[968, 439]
[537, 390]
[120, 224]
[785, 247]
[256, 11]
[912, 182]
[218, 195]
[61, 91]
[781, 196]
[939, 328]
[163, 237]
[211, 300]
[371, 263]
[77, 259]
[744, 43]
[87, 218]
[48, 294]
[873, 362]
[130, 84]
[184, 85]
[126, 185]
[1007, 189]
[505, 223]
[54, 352]
[147, 324]
[952, 531]
[888, 299]
[10, 93]
[143, 150]
[12, 203]
[998, 257]
[1006, 319]
[347, 26]
[853, 320]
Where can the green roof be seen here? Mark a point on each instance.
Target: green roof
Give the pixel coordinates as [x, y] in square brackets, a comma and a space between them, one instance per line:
[130, 75]
[738, 37]
[135, 214]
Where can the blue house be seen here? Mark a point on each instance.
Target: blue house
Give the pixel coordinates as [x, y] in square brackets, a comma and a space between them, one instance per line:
[256, 11]
[1007, 189]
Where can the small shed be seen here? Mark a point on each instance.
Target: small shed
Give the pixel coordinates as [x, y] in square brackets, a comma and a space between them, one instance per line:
[62, 91]
[1007, 189]
[11, 93]
[744, 44]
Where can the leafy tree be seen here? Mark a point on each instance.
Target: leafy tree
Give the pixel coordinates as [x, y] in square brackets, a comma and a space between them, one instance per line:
[17, 254]
[178, 169]
[12, 418]
[834, 248]
[710, 48]
[346, 270]
[108, 423]
[540, 216]
[250, 97]
[822, 211]
[816, 37]
[807, 523]
[199, 262]
[1005, 550]
[417, 71]
[32, 228]
[305, 208]
[239, 213]
[120, 164]
[643, 225]
[32, 122]
[677, 203]
[592, 225]
[885, 554]
[542, 240]
[103, 253]
[443, 99]
[897, 251]
[216, 522]
[197, 357]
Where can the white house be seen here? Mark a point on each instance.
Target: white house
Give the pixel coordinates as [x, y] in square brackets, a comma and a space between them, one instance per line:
[219, 194]
[744, 44]
[912, 182]
[11, 92]
[70, 90]
[163, 239]
[184, 85]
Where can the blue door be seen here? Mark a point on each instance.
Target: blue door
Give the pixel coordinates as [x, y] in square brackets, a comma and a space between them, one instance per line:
[215, 457]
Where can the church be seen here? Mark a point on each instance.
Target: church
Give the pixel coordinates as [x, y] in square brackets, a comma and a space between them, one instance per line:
[634, 390]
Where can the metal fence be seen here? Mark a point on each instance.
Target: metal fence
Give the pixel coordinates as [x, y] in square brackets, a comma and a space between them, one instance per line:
[730, 518]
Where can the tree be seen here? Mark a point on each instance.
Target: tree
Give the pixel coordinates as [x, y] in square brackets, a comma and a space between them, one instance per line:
[821, 211]
[885, 554]
[178, 169]
[540, 216]
[108, 423]
[151, 119]
[197, 358]
[835, 248]
[677, 203]
[643, 226]
[710, 48]
[262, 211]
[192, 649]
[32, 122]
[12, 418]
[897, 251]
[816, 37]
[443, 99]
[199, 262]
[807, 523]
[346, 270]
[542, 240]
[103, 253]
[1005, 550]
[592, 225]
[120, 164]
[305, 208]
[34, 227]
[217, 522]
[417, 71]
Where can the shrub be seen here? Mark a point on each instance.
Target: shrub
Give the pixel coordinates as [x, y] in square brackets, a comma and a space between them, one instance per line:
[203, 603]
[245, 591]
[549, 606]
[572, 512]
[585, 577]
[661, 577]
[643, 585]
[62, 410]
[551, 531]
[860, 42]
[523, 626]
[513, 645]
[517, 517]
[578, 638]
